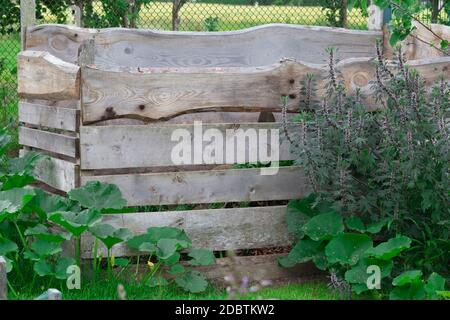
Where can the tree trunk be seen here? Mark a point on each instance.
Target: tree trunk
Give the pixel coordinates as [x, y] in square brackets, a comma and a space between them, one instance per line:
[344, 14]
[176, 7]
[434, 11]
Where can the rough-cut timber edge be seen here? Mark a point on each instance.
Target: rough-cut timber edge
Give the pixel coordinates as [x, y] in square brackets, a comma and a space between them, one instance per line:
[236, 185]
[49, 116]
[255, 46]
[164, 93]
[215, 229]
[257, 268]
[207, 117]
[134, 146]
[49, 141]
[44, 76]
[3, 279]
[57, 173]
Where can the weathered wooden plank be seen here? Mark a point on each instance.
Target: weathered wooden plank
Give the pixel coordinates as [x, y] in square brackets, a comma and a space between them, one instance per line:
[216, 229]
[3, 280]
[27, 19]
[59, 174]
[164, 93]
[257, 46]
[134, 146]
[207, 186]
[43, 76]
[256, 268]
[49, 116]
[152, 94]
[48, 141]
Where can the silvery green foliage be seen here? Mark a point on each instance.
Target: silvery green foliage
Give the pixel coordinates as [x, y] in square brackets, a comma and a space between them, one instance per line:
[389, 164]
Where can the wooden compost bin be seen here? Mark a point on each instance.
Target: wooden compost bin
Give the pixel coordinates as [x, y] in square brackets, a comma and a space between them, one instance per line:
[102, 104]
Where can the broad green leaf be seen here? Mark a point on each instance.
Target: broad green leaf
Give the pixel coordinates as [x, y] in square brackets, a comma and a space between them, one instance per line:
[355, 223]
[407, 277]
[347, 248]
[434, 284]
[16, 180]
[96, 195]
[376, 227]
[358, 273]
[45, 248]
[324, 226]
[45, 204]
[176, 269]
[24, 164]
[201, 257]
[30, 255]
[412, 291]
[167, 247]
[76, 222]
[42, 232]
[14, 200]
[321, 261]
[157, 281]
[391, 248]
[109, 235]
[61, 267]
[192, 281]
[121, 262]
[158, 233]
[143, 242]
[7, 246]
[43, 268]
[305, 250]
[286, 262]
[173, 259]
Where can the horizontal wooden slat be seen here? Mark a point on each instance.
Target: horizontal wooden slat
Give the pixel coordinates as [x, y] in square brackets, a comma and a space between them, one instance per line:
[59, 174]
[48, 141]
[165, 94]
[255, 46]
[43, 76]
[134, 146]
[48, 116]
[234, 185]
[216, 229]
[257, 268]
[162, 94]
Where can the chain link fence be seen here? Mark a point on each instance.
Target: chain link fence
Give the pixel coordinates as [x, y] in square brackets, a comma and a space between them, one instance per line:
[183, 15]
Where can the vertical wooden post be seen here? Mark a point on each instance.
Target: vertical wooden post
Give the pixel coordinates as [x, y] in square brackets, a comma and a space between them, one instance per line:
[27, 18]
[375, 21]
[3, 279]
[76, 14]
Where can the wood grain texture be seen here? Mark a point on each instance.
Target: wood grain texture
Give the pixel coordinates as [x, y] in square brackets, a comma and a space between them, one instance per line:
[163, 93]
[49, 141]
[257, 46]
[236, 185]
[59, 174]
[215, 229]
[48, 116]
[3, 279]
[43, 76]
[261, 267]
[27, 19]
[134, 146]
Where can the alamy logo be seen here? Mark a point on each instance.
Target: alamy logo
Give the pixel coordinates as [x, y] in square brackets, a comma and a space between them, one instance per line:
[237, 145]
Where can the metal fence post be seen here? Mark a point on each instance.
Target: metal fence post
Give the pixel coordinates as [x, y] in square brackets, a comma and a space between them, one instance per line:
[27, 18]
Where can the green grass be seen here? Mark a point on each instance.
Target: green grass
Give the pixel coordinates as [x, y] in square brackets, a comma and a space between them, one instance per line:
[158, 15]
[107, 290]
